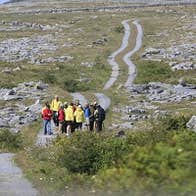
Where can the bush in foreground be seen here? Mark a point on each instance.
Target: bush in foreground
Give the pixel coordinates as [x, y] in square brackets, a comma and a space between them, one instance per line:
[159, 162]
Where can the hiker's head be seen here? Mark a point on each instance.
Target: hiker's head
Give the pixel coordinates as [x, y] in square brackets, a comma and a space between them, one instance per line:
[61, 106]
[56, 97]
[47, 104]
[65, 104]
[71, 104]
[86, 105]
[79, 106]
[77, 102]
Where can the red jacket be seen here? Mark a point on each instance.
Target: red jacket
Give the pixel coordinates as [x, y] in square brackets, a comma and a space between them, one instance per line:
[61, 115]
[47, 114]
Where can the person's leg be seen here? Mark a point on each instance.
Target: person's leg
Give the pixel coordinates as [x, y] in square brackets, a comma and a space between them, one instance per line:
[99, 126]
[87, 124]
[45, 127]
[60, 127]
[49, 127]
[80, 126]
[68, 129]
[73, 126]
[55, 118]
[65, 127]
[91, 125]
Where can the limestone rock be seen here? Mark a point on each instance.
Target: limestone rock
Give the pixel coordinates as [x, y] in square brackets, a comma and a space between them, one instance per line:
[192, 123]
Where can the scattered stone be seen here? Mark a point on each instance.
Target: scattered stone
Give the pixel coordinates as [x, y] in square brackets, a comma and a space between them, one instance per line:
[13, 50]
[41, 86]
[19, 114]
[3, 123]
[151, 51]
[7, 70]
[16, 69]
[182, 82]
[16, 25]
[192, 123]
[179, 57]
[100, 41]
[183, 66]
[12, 92]
[120, 134]
[87, 64]
[164, 93]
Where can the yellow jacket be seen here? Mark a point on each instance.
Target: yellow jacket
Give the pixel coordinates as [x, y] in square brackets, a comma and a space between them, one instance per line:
[79, 114]
[69, 114]
[55, 105]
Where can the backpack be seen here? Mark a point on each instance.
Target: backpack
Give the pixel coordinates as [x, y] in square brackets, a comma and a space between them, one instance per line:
[101, 114]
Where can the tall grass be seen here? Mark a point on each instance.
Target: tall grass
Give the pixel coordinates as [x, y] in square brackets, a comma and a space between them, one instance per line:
[10, 141]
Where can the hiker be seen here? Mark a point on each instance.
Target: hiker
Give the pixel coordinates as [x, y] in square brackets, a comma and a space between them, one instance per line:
[79, 117]
[91, 117]
[65, 124]
[61, 119]
[75, 105]
[55, 106]
[99, 115]
[87, 114]
[69, 119]
[47, 115]
[46, 103]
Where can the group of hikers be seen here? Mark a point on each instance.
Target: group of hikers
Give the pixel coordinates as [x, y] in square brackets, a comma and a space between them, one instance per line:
[70, 117]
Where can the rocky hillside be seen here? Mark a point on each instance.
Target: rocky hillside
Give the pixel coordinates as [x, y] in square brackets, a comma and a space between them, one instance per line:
[136, 58]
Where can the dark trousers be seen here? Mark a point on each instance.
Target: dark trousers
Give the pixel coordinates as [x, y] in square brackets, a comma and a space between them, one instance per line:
[79, 125]
[91, 125]
[55, 118]
[99, 125]
[64, 129]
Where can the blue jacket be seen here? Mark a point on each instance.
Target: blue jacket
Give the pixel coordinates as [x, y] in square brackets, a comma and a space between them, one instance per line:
[87, 112]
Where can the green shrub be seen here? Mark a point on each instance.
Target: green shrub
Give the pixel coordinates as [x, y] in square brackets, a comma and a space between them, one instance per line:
[171, 122]
[49, 77]
[73, 86]
[119, 29]
[87, 153]
[10, 141]
[166, 167]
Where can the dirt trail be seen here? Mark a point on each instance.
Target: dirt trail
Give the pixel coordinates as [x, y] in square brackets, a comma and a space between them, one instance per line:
[111, 58]
[12, 181]
[126, 58]
[103, 100]
[80, 97]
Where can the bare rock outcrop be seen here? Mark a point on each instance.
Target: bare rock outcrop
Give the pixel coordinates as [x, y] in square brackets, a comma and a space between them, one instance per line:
[192, 123]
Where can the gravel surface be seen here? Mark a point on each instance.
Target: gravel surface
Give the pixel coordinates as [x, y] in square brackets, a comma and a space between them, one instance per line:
[126, 58]
[103, 100]
[12, 181]
[111, 58]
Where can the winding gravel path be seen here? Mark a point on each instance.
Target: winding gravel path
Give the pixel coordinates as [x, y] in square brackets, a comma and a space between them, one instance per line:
[80, 97]
[126, 58]
[111, 58]
[12, 181]
[103, 100]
